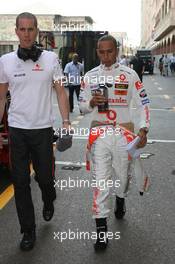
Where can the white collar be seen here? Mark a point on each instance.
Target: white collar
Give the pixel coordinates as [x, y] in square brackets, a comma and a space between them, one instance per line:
[113, 66]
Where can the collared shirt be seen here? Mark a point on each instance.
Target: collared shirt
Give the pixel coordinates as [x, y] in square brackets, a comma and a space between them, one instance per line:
[172, 59]
[74, 72]
[30, 86]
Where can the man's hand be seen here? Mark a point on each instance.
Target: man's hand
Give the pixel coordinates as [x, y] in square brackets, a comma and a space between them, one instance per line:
[97, 100]
[67, 125]
[143, 138]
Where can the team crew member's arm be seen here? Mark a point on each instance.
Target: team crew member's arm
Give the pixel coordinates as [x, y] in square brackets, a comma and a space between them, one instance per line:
[142, 107]
[58, 80]
[63, 103]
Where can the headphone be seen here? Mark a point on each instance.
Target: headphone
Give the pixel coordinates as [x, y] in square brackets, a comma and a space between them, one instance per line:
[25, 54]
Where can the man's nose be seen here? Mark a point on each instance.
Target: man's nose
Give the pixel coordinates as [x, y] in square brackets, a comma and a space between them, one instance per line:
[26, 32]
[106, 55]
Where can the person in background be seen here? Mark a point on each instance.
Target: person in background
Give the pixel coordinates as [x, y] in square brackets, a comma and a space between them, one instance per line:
[29, 73]
[124, 60]
[73, 71]
[172, 63]
[161, 64]
[137, 65]
[109, 101]
[166, 62]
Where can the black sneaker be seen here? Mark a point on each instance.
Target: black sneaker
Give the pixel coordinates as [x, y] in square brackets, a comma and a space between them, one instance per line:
[120, 208]
[28, 240]
[48, 212]
[102, 239]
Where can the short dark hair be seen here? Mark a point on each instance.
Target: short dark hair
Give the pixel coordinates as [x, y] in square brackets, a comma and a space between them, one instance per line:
[108, 38]
[26, 15]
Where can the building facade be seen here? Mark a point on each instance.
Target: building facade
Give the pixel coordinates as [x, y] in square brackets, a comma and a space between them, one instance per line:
[158, 26]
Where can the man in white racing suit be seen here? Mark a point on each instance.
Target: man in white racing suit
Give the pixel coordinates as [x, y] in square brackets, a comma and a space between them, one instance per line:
[107, 93]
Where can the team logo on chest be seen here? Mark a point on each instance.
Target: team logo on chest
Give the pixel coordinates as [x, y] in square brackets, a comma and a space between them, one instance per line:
[121, 85]
[37, 67]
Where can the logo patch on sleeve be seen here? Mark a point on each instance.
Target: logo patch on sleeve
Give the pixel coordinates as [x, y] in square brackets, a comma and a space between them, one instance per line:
[143, 93]
[138, 85]
[145, 101]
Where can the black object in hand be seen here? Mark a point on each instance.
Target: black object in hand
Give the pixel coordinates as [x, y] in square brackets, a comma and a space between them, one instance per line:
[64, 140]
[104, 92]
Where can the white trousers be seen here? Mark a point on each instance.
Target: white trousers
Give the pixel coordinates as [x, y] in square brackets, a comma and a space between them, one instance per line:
[108, 153]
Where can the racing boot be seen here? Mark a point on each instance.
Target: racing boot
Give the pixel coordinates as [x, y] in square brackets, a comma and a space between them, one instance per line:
[120, 208]
[102, 239]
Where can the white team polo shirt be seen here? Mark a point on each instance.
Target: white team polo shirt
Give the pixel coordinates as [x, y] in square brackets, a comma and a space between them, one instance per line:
[30, 86]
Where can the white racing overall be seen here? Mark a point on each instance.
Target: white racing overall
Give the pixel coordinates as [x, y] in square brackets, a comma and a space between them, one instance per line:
[112, 128]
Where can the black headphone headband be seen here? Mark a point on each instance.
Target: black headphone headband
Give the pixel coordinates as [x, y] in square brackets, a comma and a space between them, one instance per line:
[25, 54]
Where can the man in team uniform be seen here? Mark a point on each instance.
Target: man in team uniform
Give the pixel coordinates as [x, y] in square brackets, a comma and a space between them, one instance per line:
[29, 74]
[107, 94]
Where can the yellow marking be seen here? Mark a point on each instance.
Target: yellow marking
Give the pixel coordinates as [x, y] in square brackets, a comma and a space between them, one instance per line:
[6, 196]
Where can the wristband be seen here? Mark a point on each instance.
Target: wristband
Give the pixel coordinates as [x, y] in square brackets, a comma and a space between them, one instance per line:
[66, 121]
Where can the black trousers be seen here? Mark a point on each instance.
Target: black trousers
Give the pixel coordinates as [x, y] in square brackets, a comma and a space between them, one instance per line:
[27, 145]
[140, 76]
[73, 88]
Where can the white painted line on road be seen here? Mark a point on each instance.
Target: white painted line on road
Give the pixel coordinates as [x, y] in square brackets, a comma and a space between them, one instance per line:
[156, 83]
[161, 140]
[161, 109]
[160, 88]
[70, 163]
